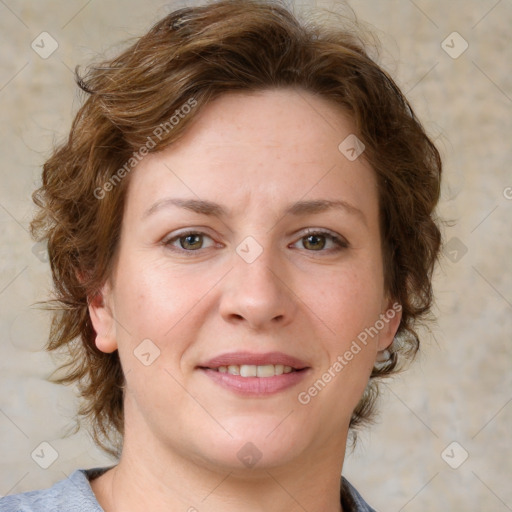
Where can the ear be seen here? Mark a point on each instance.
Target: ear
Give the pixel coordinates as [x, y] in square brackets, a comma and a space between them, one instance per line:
[102, 317]
[391, 317]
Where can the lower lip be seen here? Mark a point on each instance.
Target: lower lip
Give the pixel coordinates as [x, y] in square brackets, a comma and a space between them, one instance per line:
[255, 386]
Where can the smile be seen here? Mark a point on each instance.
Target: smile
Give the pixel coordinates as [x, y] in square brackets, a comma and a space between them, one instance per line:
[251, 370]
[248, 383]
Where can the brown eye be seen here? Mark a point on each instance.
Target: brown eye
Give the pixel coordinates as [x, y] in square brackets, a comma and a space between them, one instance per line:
[321, 241]
[314, 242]
[191, 242]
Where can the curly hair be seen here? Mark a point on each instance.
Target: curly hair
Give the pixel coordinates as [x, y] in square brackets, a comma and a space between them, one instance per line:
[203, 52]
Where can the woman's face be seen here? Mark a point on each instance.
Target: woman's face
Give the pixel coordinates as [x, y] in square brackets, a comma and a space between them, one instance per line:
[252, 242]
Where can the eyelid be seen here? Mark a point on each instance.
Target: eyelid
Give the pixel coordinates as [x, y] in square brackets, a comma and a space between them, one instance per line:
[200, 230]
[322, 231]
[168, 240]
[339, 240]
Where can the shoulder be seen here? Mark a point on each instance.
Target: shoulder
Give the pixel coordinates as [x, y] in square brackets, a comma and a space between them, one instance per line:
[351, 500]
[74, 494]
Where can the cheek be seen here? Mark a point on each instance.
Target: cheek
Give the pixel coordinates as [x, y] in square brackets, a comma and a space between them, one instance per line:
[148, 295]
[350, 308]
[155, 300]
[348, 300]
[155, 318]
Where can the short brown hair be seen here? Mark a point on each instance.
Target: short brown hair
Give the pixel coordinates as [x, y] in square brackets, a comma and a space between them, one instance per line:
[201, 53]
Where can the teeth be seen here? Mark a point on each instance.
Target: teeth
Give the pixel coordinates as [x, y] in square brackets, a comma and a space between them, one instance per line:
[250, 370]
[234, 369]
[265, 371]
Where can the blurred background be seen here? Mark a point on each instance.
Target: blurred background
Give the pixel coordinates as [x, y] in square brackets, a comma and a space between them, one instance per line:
[442, 440]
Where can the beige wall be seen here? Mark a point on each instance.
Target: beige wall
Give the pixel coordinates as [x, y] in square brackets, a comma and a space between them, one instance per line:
[459, 390]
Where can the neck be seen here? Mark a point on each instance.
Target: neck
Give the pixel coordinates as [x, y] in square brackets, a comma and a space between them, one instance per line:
[178, 483]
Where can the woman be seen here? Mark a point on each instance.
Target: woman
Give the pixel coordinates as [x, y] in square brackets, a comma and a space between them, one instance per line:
[241, 235]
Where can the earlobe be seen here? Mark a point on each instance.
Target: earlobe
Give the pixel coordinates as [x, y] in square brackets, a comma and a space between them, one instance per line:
[106, 343]
[102, 319]
[391, 318]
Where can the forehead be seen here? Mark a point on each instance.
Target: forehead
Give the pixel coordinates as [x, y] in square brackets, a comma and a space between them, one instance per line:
[281, 120]
[261, 146]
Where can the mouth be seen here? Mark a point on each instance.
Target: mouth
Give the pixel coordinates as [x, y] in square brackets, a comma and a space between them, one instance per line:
[255, 374]
[248, 364]
[251, 370]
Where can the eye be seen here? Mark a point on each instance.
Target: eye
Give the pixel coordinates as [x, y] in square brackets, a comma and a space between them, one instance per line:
[190, 241]
[321, 241]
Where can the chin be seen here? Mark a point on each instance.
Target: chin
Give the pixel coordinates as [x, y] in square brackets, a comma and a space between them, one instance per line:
[257, 443]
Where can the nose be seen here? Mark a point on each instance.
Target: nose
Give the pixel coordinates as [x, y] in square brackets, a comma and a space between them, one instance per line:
[258, 295]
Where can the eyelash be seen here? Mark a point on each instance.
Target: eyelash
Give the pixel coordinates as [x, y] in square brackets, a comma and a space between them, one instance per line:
[340, 242]
[168, 243]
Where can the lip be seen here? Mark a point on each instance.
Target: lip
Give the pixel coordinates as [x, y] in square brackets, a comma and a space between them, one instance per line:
[239, 358]
[255, 386]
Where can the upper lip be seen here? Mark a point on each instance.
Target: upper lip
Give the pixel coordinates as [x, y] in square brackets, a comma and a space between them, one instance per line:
[249, 358]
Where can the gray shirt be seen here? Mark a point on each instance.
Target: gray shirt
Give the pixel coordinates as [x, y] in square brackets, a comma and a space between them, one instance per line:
[74, 494]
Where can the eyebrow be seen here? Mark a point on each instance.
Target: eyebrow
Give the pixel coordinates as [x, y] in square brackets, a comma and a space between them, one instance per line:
[195, 205]
[210, 208]
[322, 205]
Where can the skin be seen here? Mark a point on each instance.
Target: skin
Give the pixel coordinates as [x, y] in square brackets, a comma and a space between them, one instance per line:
[254, 154]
